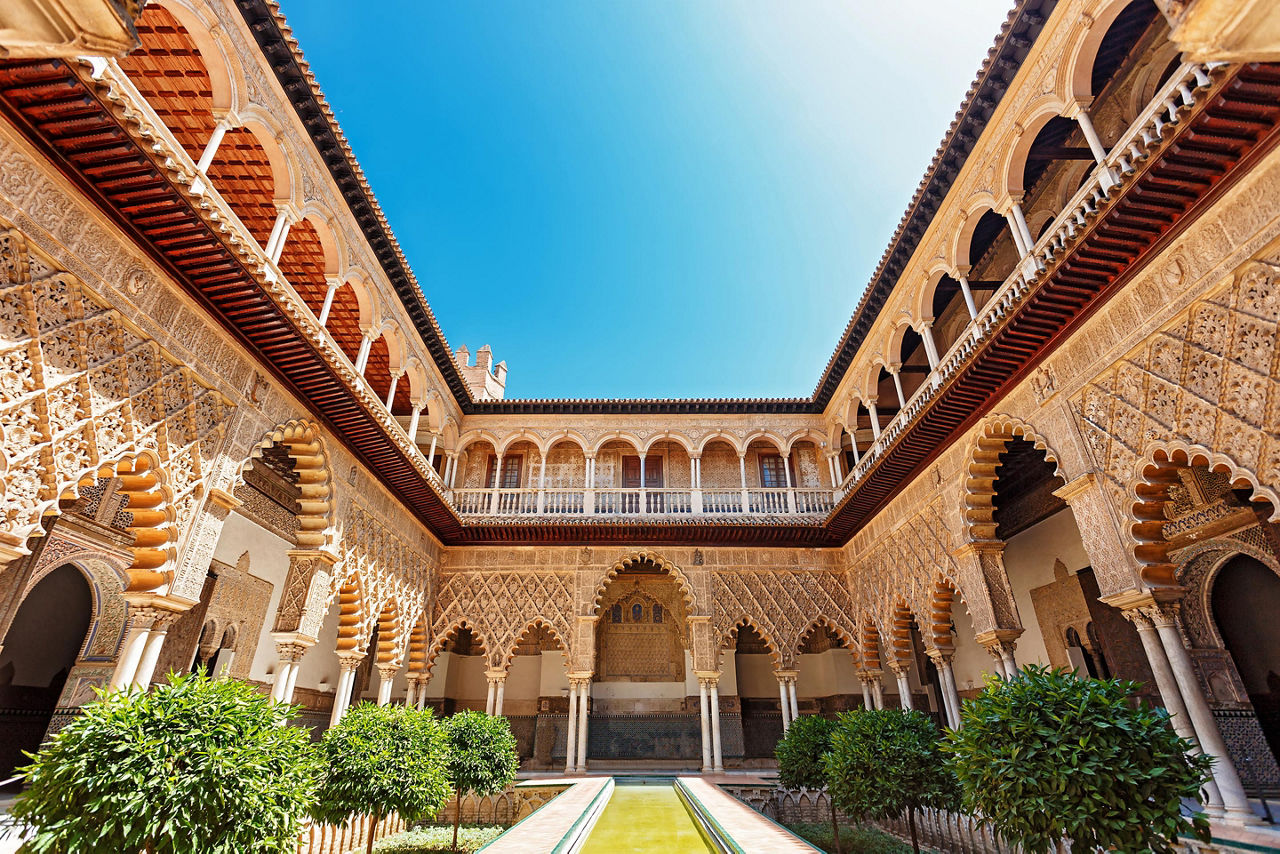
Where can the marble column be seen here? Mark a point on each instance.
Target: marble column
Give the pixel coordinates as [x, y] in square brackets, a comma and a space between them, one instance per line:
[386, 680]
[866, 692]
[1207, 732]
[289, 652]
[900, 672]
[347, 666]
[501, 682]
[151, 650]
[791, 694]
[583, 703]
[704, 705]
[571, 741]
[785, 705]
[717, 752]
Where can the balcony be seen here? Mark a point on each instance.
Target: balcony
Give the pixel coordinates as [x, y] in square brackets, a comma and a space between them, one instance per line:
[623, 503]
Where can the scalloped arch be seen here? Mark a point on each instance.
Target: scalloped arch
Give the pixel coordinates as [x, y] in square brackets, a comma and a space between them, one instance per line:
[677, 574]
[306, 446]
[539, 621]
[981, 462]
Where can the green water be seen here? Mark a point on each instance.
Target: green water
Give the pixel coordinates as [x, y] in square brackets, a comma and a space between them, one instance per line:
[645, 820]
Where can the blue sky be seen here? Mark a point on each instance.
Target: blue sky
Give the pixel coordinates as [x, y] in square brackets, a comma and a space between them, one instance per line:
[646, 198]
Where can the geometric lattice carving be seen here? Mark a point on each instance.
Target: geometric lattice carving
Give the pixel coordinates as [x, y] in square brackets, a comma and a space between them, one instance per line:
[499, 606]
[782, 605]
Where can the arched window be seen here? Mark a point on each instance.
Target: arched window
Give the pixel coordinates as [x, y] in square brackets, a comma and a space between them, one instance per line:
[637, 613]
[657, 613]
[615, 614]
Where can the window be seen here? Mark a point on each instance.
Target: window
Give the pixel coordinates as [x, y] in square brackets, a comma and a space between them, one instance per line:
[637, 612]
[657, 613]
[652, 472]
[773, 472]
[512, 465]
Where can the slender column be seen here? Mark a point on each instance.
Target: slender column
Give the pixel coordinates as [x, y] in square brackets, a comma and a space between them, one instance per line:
[1018, 226]
[411, 695]
[583, 703]
[589, 487]
[704, 704]
[501, 682]
[742, 471]
[950, 693]
[866, 692]
[391, 391]
[695, 482]
[276, 237]
[877, 692]
[831, 471]
[875, 418]
[717, 753]
[414, 420]
[785, 704]
[930, 345]
[211, 147]
[431, 454]
[968, 295]
[140, 620]
[791, 490]
[1091, 136]
[330, 292]
[791, 693]
[386, 680]
[151, 651]
[362, 357]
[453, 470]
[489, 698]
[542, 484]
[904, 686]
[1207, 732]
[497, 484]
[897, 384]
[571, 741]
[289, 652]
[347, 665]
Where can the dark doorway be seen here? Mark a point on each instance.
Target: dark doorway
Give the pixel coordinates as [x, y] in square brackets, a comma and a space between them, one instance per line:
[39, 651]
[1245, 600]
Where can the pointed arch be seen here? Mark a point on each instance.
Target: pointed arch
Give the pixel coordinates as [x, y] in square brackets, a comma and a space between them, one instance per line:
[419, 639]
[731, 636]
[639, 558]
[868, 645]
[980, 472]
[305, 445]
[1155, 473]
[823, 622]
[437, 645]
[538, 622]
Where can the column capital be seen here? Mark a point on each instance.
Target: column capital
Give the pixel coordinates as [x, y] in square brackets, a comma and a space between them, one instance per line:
[496, 675]
[291, 646]
[710, 676]
[784, 675]
[222, 498]
[1078, 486]
[938, 655]
[388, 671]
[898, 667]
[978, 547]
[350, 660]
[999, 637]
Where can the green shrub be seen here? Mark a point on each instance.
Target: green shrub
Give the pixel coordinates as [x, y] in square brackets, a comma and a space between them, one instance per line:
[434, 839]
[195, 765]
[857, 840]
[800, 755]
[887, 763]
[482, 757]
[380, 760]
[1049, 755]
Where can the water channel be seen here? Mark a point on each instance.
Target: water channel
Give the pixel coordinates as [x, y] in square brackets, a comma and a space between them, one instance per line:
[645, 817]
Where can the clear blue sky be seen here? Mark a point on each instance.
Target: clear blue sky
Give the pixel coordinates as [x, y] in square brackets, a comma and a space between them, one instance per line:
[646, 198]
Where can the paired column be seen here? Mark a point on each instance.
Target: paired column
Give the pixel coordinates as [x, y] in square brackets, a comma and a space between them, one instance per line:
[742, 470]
[290, 647]
[1000, 644]
[348, 663]
[148, 628]
[709, 703]
[576, 744]
[386, 679]
[867, 702]
[787, 696]
[497, 689]
[695, 482]
[1162, 616]
[946, 675]
[584, 701]
[901, 669]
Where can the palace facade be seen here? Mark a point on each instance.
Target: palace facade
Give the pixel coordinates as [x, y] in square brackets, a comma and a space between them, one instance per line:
[234, 435]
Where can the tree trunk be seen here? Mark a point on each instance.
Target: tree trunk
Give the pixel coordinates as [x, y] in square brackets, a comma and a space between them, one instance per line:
[373, 831]
[911, 821]
[457, 816]
[835, 824]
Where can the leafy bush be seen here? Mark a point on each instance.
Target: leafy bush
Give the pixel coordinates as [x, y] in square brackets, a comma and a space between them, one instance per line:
[482, 757]
[1049, 755]
[434, 839]
[857, 840]
[196, 764]
[381, 760]
[800, 755]
[886, 763]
